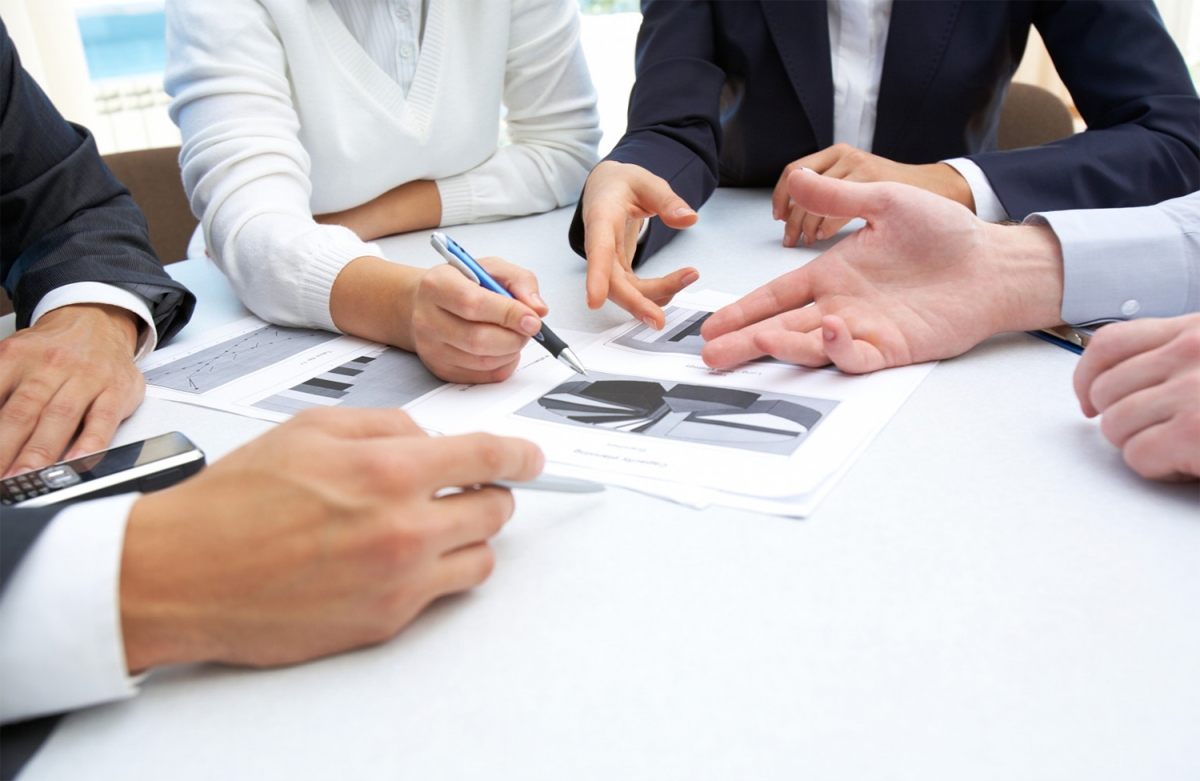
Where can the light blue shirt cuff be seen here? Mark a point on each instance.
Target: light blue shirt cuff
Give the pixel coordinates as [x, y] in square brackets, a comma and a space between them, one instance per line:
[1119, 263]
[987, 204]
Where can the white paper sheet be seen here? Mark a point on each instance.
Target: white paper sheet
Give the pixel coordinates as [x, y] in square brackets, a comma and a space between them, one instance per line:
[652, 417]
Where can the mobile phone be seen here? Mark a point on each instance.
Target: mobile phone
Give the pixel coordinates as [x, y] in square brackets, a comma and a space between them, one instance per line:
[141, 466]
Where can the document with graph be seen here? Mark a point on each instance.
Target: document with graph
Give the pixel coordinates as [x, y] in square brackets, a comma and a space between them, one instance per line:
[266, 371]
[651, 416]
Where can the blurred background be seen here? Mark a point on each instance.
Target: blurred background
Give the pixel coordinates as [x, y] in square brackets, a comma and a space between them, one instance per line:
[101, 62]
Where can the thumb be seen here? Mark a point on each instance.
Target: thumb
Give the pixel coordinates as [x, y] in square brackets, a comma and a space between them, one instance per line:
[831, 197]
[655, 196]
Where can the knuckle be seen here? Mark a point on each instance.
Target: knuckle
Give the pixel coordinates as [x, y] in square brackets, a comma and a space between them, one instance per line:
[22, 409]
[490, 450]
[485, 565]
[1112, 427]
[1186, 347]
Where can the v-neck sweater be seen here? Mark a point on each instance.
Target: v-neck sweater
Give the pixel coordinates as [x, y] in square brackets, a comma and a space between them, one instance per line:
[284, 115]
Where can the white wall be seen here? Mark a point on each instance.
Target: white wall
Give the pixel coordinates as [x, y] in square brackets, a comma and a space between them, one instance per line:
[47, 39]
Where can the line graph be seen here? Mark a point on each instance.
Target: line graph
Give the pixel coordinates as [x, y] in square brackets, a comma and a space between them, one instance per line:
[235, 358]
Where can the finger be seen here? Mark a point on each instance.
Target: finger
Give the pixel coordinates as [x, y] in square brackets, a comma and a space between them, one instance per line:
[1166, 451]
[19, 418]
[853, 356]
[472, 516]
[521, 282]
[802, 349]
[444, 328]
[661, 290]
[625, 294]
[1115, 343]
[454, 365]
[56, 426]
[1134, 374]
[1138, 412]
[473, 459]
[792, 227]
[731, 350]
[810, 227]
[790, 291]
[102, 418]
[655, 197]
[829, 226]
[830, 197]
[347, 423]
[601, 241]
[464, 569]
[454, 293]
[780, 199]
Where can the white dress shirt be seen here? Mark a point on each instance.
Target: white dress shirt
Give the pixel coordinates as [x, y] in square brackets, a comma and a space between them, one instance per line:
[858, 33]
[61, 645]
[389, 32]
[1119, 264]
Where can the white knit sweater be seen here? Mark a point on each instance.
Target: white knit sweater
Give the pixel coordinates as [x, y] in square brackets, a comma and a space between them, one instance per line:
[284, 115]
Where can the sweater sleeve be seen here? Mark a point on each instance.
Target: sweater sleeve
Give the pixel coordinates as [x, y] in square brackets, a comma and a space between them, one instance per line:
[552, 123]
[244, 168]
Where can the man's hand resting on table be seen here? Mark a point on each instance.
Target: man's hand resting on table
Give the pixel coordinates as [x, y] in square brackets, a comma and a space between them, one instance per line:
[924, 280]
[617, 199]
[73, 367]
[842, 161]
[324, 534]
[1143, 378]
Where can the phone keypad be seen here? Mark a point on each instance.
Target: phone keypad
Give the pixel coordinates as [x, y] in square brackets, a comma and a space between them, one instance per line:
[20, 487]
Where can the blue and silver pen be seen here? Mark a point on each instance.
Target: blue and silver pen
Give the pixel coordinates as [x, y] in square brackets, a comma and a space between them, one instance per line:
[461, 259]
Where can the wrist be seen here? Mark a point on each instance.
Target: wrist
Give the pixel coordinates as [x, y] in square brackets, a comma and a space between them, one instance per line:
[119, 325]
[157, 625]
[374, 298]
[1027, 268]
[953, 185]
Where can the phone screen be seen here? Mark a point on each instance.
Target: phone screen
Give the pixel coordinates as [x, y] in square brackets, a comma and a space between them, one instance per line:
[125, 457]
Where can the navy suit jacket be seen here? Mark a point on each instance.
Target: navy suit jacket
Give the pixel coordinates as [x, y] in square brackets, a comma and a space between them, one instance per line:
[730, 91]
[64, 218]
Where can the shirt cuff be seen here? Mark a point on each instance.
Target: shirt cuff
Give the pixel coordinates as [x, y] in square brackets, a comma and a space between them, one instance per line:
[101, 293]
[60, 618]
[987, 205]
[1119, 263]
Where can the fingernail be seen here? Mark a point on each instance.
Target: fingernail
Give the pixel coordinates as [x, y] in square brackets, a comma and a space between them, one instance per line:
[807, 239]
[820, 233]
[829, 334]
[690, 278]
[683, 211]
[537, 301]
[775, 214]
[788, 241]
[529, 325]
[539, 463]
[648, 320]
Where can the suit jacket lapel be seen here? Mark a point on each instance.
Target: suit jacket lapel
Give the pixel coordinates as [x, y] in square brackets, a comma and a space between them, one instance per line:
[801, 35]
[918, 35]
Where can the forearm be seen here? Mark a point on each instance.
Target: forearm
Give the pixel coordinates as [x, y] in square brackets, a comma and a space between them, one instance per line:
[374, 298]
[411, 206]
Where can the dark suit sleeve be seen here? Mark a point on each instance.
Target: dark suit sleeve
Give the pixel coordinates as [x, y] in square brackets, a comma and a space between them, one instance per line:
[64, 218]
[19, 529]
[674, 127]
[1132, 87]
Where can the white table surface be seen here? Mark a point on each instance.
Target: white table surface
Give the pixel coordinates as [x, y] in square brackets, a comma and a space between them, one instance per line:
[988, 594]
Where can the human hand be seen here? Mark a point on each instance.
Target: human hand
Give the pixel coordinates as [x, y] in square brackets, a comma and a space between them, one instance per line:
[842, 161]
[617, 198]
[75, 365]
[1143, 377]
[466, 333]
[462, 332]
[322, 535]
[925, 279]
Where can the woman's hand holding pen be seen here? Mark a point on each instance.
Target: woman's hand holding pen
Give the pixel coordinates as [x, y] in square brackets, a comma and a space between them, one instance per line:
[462, 332]
[465, 333]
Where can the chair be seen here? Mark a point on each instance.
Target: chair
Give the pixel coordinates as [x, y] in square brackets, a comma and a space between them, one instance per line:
[153, 179]
[1032, 116]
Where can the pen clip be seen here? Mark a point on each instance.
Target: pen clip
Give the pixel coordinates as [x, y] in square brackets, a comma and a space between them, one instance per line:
[455, 255]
